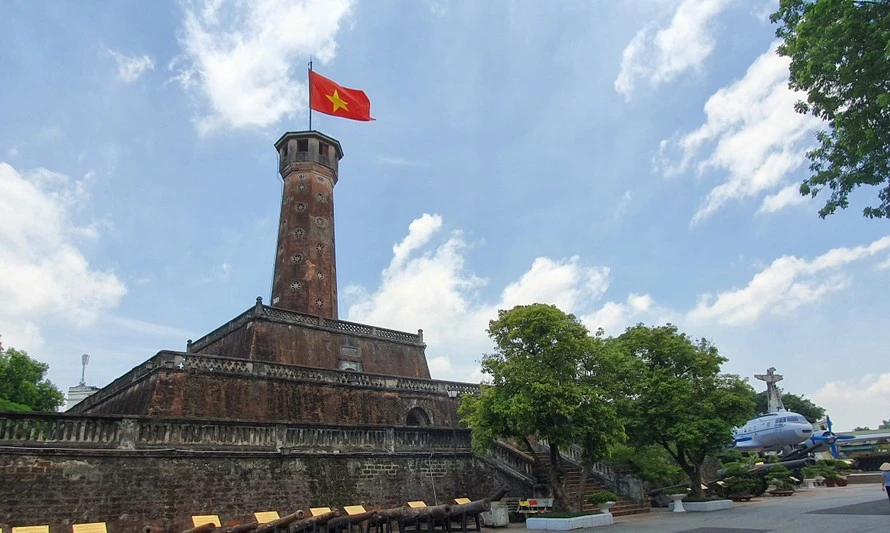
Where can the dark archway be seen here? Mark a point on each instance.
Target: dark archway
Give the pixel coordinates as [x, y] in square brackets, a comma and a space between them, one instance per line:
[417, 417]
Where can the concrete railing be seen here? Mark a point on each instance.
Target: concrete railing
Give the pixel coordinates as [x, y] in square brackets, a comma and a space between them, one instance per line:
[49, 430]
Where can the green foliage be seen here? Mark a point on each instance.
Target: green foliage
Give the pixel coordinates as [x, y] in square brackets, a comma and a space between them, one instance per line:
[549, 380]
[652, 462]
[22, 384]
[794, 403]
[738, 479]
[680, 399]
[604, 496]
[861, 428]
[780, 477]
[839, 53]
[884, 424]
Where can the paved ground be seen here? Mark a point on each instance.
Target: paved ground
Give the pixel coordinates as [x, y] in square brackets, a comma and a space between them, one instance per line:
[859, 508]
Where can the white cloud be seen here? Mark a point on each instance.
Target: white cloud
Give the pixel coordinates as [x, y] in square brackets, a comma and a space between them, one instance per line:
[859, 402]
[247, 59]
[782, 287]
[788, 196]
[43, 274]
[752, 133]
[130, 69]
[426, 285]
[218, 273]
[659, 55]
[615, 317]
[885, 264]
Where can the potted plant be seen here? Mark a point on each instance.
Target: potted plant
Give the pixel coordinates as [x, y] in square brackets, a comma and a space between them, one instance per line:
[780, 478]
[604, 500]
[830, 476]
[740, 485]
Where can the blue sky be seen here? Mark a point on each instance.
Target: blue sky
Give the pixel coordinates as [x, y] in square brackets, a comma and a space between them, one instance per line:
[627, 161]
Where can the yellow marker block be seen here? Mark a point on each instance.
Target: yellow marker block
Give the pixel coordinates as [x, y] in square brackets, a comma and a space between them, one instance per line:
[95, 527]
[315, 511]
[417, 505]
[200, 520]
[353, 509]
[31, 529]
[263, 517]
[461, 501]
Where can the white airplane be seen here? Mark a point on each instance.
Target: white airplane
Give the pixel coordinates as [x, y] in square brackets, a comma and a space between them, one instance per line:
[783, 431]
[779, 431]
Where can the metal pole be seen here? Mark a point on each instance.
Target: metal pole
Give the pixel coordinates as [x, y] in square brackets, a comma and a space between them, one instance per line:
[310, 93]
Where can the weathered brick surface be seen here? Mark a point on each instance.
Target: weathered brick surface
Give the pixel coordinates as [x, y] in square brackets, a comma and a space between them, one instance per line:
[266, 340]
[162, 489]
[208, 395]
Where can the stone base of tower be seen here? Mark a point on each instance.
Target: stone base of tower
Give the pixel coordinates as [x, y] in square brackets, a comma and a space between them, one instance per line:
[197, 386]
[275, 335]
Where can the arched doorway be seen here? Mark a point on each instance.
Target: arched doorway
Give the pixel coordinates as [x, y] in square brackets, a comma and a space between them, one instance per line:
[417, 417]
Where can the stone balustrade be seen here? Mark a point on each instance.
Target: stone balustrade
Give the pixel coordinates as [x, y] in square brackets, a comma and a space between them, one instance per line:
[189, 362]
[291, 317]
[50, 430]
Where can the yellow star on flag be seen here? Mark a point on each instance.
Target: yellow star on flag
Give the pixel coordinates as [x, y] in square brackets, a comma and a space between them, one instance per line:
[336, 101]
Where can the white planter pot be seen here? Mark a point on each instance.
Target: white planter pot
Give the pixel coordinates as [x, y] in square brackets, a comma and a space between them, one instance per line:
[704, 507]
[565, 524]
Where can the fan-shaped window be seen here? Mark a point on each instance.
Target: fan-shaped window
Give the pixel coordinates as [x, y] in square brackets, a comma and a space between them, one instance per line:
[417, 417]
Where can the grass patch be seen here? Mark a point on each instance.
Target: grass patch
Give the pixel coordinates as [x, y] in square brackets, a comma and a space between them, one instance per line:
[566, 514]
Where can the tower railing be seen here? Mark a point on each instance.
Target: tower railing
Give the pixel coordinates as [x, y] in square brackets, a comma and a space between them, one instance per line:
[290, 317]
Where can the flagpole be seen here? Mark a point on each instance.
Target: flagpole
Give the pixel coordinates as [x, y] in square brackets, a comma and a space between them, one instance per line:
[310, 93]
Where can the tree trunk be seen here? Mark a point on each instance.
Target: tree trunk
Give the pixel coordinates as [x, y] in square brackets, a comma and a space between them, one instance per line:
[585, 472]
[557, 481]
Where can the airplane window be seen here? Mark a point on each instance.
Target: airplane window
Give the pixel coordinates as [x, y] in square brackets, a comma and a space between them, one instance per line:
[780, 420]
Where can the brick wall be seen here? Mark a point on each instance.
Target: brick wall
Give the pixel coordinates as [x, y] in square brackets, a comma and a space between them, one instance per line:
[161, 489]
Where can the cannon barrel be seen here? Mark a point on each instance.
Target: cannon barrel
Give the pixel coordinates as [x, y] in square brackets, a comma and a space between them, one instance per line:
[314, 521]
[283, 521]
[203, 528]
[242, 528]
[352, 519]
[473, 507]
[436, 511]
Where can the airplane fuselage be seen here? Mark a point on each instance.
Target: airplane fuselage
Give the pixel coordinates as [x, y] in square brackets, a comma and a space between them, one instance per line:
[772, 432]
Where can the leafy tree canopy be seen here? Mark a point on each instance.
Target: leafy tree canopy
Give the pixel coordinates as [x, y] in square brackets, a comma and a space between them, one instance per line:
[884, 425]
[680, 400]
[839, 52]
[22, 384]
[549, 381]
[794, 403]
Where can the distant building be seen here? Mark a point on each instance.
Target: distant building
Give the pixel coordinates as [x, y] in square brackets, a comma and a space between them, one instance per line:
[78, 394]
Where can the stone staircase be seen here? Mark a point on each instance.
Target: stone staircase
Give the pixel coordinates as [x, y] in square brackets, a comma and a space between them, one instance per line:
[573, 484]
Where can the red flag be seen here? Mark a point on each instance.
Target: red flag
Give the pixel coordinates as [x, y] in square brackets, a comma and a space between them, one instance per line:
[326, 96]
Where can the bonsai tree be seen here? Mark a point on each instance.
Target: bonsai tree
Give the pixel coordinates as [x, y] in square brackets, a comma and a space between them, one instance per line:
[780, 477]
[739, 481]
[601, 497]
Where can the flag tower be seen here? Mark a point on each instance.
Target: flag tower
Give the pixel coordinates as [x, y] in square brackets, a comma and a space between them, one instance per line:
[305, 277]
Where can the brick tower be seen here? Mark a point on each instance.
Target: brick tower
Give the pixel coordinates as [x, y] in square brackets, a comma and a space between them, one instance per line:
[305, 278]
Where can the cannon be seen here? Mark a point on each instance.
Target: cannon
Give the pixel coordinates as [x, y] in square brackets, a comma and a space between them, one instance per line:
[203, 528]
[270, 527]
[241, 528]
[313, 522]
[346, 522]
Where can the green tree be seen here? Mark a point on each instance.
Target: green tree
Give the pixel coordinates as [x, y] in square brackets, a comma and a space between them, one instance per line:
[681, 401]
[794, 403]
[861, 428]
[839, 53]
[884, 424]
[23, 386]
[547, 383]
